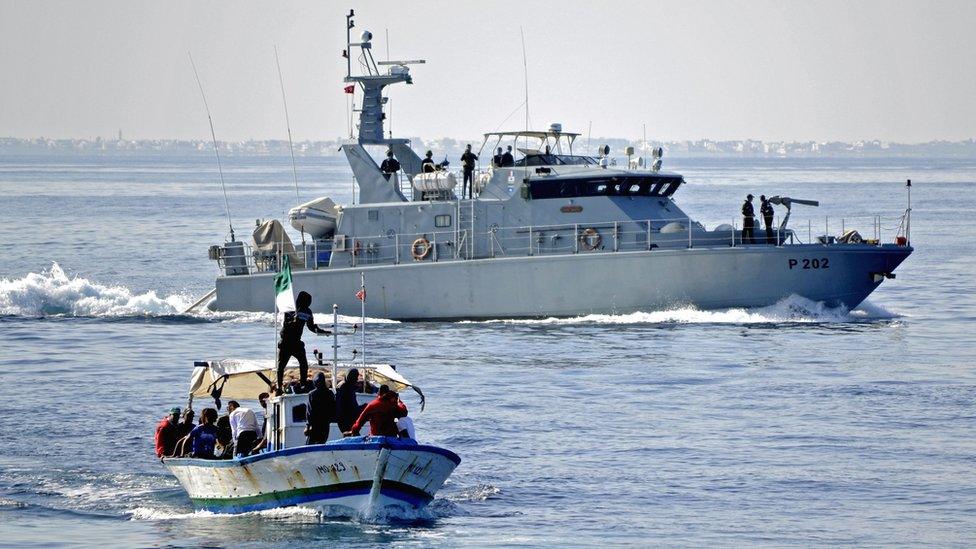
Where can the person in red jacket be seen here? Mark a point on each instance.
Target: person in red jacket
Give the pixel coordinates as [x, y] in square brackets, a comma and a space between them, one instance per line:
[167, 433]
[381, 415]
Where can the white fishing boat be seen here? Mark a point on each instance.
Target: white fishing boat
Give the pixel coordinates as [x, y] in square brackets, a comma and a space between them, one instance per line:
[353, 475]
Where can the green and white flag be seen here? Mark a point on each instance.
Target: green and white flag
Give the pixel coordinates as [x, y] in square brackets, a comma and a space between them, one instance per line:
[284, 296]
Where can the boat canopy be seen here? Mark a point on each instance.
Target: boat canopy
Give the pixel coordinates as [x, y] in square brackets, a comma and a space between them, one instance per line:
[246, 379]
[553, 140]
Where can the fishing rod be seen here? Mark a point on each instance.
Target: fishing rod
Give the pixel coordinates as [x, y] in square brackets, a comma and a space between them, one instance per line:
[291, 146]
[213, 136]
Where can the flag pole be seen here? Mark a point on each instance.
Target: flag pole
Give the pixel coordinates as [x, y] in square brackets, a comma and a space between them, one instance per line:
[362, 289]
[335, 346]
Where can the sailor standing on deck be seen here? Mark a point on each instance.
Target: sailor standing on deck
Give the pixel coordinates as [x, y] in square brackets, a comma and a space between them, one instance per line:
[291, 339]
[467, 162]
[766, 210]
[748, 221]
[428, 166]
[507, 159]
[496, 160]
[391, 165]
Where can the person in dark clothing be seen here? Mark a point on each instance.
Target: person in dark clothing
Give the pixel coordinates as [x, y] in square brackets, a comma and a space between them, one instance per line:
[496, 160]
[225, 437]
[507, 159]
[467, 163]
[427, 165]
[291, 338]
[186, 424]
[203, 438]
[381, 414]
[391, 165]
[321, 411]
[766, 210]
[347, 407]
[167, 432]
[748, 221]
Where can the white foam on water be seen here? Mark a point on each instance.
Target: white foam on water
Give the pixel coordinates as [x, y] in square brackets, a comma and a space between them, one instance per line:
[793, 309]
[53, 292]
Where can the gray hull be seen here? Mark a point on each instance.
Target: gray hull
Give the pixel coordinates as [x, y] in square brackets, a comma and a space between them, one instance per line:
[580, 284]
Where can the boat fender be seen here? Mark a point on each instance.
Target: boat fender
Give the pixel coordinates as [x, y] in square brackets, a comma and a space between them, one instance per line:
[420, 249]
[590, 239]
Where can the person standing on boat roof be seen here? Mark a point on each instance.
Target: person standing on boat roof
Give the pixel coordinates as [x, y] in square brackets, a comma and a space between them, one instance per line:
[347, 405]
[427, 165]
[321, 411]
[167, 433]
[507, 159]
[467, 163]
[766, 211]
[291, 338]
[391, 165]
[381, 414]
[243, 428]
[748, 221]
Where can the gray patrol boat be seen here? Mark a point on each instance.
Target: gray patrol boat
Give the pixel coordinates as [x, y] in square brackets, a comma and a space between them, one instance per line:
[552, 233]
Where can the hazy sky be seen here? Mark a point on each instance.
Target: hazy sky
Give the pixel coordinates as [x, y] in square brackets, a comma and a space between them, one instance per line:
[900, 71]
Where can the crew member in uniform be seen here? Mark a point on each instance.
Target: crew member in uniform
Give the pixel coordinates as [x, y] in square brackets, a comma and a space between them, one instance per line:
[766, 210]
[428, 166]
[391, 165]
[467, 162]
[507, 159]
[291, 338]
[496, 161]
[748, 221]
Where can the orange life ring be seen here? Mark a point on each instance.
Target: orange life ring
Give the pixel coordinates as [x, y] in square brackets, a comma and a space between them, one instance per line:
[420, 249]
[590, 239]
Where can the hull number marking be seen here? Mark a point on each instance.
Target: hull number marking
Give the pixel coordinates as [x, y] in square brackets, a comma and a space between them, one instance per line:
[822, 263]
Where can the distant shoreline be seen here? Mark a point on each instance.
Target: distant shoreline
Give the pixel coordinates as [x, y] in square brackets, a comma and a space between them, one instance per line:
[451, 148]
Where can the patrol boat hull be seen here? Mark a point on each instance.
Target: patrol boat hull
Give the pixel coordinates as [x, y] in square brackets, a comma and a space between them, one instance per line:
[355, 475]
[588, 283]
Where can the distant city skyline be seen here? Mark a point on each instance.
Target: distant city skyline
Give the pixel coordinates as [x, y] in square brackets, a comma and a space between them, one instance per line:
[816, 71]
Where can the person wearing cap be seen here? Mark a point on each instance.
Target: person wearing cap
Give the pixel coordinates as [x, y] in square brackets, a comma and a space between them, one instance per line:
[748, 221]
[347, 405]
[391, 165]
[766, 211]
[427, 165]
[166, 433]
[381, 414]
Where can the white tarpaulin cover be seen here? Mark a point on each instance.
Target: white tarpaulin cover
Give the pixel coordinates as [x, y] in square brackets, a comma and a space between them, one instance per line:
[246, 379]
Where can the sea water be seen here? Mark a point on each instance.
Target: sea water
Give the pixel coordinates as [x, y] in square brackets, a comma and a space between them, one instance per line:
[795, 424]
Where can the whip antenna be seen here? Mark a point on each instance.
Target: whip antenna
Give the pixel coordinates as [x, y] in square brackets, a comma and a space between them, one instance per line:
[525, 70]
[213, 136]
[284, 102]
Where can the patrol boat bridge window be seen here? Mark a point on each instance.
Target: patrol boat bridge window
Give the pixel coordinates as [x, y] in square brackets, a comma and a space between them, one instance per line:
[630, 185]
[556, 160]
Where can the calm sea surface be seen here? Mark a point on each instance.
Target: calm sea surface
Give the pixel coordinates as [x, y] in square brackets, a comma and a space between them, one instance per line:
[788, 425]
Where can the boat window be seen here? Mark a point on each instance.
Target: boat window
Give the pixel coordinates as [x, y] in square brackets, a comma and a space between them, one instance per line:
[628, 185]
[374, 215]
[442, 220]
[555, 160]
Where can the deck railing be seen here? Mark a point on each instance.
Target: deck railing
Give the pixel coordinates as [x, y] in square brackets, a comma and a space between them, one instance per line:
[460, 242]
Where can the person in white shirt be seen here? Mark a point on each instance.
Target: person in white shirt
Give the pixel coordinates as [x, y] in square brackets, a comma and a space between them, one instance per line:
[243, 427]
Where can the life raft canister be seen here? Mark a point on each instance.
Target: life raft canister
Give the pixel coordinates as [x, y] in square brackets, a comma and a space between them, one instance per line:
[590, 239]
[420, 249]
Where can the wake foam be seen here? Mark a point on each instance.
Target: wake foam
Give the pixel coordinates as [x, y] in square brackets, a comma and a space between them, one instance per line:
[52, 292]
[793, 309]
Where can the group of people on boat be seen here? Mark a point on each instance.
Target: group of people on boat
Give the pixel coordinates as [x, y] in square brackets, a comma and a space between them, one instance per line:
[749, 220]
[239, 433]
[468, 162]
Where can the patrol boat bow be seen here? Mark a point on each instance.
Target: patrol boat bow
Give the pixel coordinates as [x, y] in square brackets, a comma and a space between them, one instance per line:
[556, 233]
[353, 476]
